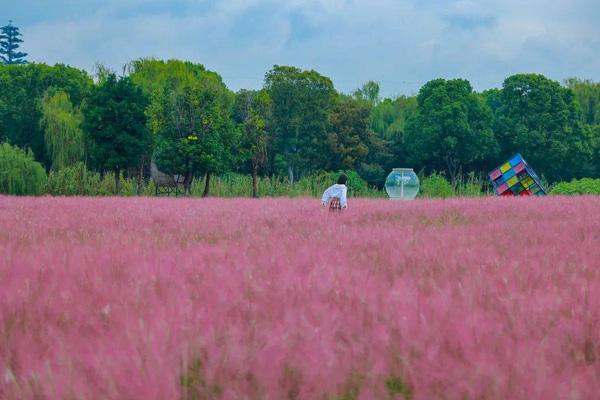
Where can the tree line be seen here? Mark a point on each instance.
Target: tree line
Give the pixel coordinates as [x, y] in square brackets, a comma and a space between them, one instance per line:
[182, 117]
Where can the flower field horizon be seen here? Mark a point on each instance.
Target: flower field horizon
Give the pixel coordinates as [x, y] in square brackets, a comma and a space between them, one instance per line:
[197, 299]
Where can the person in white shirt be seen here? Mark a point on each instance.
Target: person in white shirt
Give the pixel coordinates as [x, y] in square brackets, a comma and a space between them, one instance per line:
[335, 195]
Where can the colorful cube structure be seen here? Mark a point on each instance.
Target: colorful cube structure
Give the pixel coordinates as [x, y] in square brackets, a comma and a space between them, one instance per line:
[516, 178]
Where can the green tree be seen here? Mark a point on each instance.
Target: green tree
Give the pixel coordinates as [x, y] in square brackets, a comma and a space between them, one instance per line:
[252, 113]
[23, 86]
[62, 129]
[349, 136]
[388, 118]
[587, 95]
[20, 174]
[388, 121]
[10, 40]
[451, 130]
[301, 104]
[115, 120]
[352, 143]
[540, 119]
[166, 83]
[195, 134]
[368, 92]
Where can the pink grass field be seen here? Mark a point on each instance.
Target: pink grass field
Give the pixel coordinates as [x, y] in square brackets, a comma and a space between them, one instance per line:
[194, 299]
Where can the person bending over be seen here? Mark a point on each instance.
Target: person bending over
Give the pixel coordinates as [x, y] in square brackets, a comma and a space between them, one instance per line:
[335, 195]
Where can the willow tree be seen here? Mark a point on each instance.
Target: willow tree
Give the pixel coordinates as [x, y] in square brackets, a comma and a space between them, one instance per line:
[63, 135]
[20, 174]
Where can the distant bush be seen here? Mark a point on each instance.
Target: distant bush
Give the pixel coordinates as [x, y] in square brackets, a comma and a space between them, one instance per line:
[238, 185]
[20, 174]
[577, 186]
[436, 185]
[470, 186]
[75, 180]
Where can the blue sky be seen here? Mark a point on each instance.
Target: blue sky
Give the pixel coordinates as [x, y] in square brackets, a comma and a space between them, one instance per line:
[400, 43]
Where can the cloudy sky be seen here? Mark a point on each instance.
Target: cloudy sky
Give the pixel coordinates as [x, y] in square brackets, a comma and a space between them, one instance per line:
[399, 43]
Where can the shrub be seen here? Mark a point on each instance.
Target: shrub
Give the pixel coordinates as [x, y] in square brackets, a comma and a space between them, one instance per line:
[75, 180]
[436, 185]
[238, 185]
[577, 186]
[20, 174]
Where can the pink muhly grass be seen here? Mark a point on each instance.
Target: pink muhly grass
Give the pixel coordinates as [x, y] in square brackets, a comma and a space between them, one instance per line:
[278, 299]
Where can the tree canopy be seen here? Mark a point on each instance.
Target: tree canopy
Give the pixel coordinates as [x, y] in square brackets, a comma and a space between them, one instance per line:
[301, 104]
[116, 123]
[23, 87]
[184, 117]
[10, 41]
[451, 130]
[540, 119]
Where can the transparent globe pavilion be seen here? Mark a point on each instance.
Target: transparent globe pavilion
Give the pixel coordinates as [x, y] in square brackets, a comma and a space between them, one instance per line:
[402, 184]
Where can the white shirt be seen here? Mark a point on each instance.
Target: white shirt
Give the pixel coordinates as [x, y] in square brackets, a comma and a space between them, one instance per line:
[338, 191]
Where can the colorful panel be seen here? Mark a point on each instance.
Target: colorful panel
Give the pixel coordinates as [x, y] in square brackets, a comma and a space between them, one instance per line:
[502, 188]
[528, 181]
[525, 193]
[505, 167]
[496, 174]
[512, 181]
[517, 188]
[519, 167]
[517, 159]
[508, 174]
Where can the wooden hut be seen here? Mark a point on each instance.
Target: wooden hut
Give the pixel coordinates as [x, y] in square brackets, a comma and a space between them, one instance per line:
[166, 184]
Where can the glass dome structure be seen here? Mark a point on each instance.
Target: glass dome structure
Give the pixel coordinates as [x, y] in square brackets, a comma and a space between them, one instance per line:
[402, 184]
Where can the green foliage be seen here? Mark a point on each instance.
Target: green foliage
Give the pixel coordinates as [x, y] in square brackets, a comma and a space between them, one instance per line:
[194, 385]
[154, 75]
[20, 107]
[195, 134]
[237, 185]
[369, 92]
[62, 125]
[389, 117]
[436, 185]
[349, 137]
[115, 121]
[451, 130]
[541, 120]
[577, 187]
[301, 104]
[189, 115]
[20, 174]
[587, 95]
[252, 114]
[77, 180]
[396, 386]
[10, 40]
[74, 180]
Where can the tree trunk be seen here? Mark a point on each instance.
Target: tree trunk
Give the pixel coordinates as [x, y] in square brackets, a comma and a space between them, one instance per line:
[187, 183]
[454, 170]
[254, 173]
[206, 185]
[291, 174]
[117, 181]
[140, 178]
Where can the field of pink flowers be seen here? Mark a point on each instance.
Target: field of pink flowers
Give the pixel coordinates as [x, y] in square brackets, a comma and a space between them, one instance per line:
[277, 299]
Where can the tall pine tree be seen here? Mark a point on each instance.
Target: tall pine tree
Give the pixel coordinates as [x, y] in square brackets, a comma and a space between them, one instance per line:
[10, 37]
